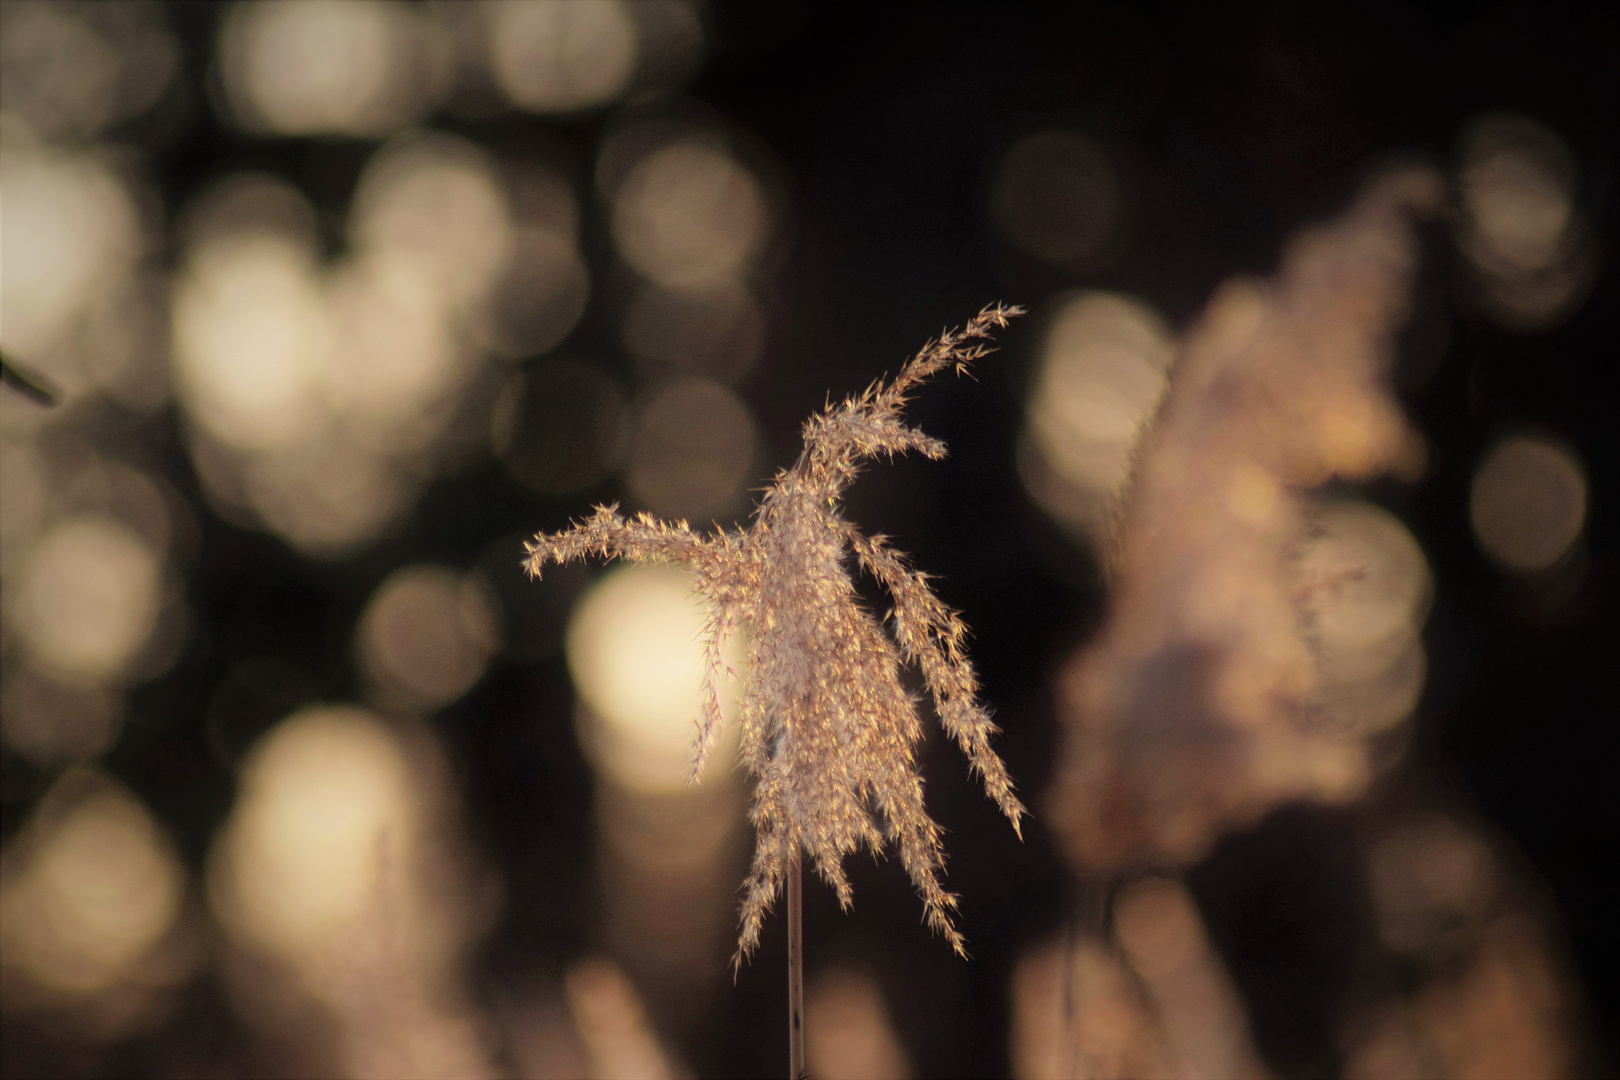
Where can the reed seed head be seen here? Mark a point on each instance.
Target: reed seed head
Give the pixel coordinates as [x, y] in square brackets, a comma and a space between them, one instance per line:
[828, 729]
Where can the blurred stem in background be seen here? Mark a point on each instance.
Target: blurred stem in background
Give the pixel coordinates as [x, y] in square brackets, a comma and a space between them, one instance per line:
[28, 384]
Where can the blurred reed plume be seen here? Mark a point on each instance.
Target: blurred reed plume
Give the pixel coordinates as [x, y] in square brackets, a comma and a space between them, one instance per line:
[1156, 1001]
[1259, 636]
[827, 726]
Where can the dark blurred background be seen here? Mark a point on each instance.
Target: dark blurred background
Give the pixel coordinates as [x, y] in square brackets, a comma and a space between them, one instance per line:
[342, 300]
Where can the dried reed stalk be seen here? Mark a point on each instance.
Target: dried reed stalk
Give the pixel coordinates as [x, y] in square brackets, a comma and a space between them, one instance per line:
[827, 726]
[795, 906]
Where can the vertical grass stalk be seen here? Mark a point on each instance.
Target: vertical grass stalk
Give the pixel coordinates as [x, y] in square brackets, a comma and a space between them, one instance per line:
[795, 921]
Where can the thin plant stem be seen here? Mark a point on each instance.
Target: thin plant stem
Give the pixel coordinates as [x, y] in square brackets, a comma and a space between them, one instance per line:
[795, 921]
[833, 755]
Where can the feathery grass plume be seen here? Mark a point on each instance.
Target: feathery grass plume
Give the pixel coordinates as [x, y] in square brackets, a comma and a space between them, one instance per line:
[1207, 697]
[827, 727]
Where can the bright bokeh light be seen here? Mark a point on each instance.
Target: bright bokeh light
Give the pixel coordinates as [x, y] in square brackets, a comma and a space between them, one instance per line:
[89, 888]
[1057, 196]
[1520, 227]
[427, 634]
[635, 652]
[86, 599]
[321, 392]
[1368, 588]
[689, 216]
[691, 450]
[1101, 373]
[325, 496]
[848, 1033]
[69, 233]
[251, 336]
[434, 201]
[560, 427]
[1528, 503]
[391, 353]
[339, 882]
[330, 67]
[325, 800]
[553, 56]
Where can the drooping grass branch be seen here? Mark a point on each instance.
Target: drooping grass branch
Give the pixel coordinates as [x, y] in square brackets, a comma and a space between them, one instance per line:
[828, 728]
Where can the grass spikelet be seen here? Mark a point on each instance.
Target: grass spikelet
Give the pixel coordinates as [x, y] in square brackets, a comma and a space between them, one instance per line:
[828, 729]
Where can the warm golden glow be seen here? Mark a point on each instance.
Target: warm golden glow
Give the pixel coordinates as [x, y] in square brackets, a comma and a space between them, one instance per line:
[325, 798]
[339, 882]
[1528, 503]
[251, 334]
[392, 355]
[634, 649]
[326, 495]
[89, 888]
[847, 1031]
[69, 234]
[86, 599]
[668, 862]
[689, 216]
[435, 201]
[426, 635]
[1057, 196]
[1517, 187]
[321, 392]
[1102, 372]
[554, 56]
[543, 293]
[691, 450]
[330, 67]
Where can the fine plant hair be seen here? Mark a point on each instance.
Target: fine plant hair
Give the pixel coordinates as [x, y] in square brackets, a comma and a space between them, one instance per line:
[828, 728]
